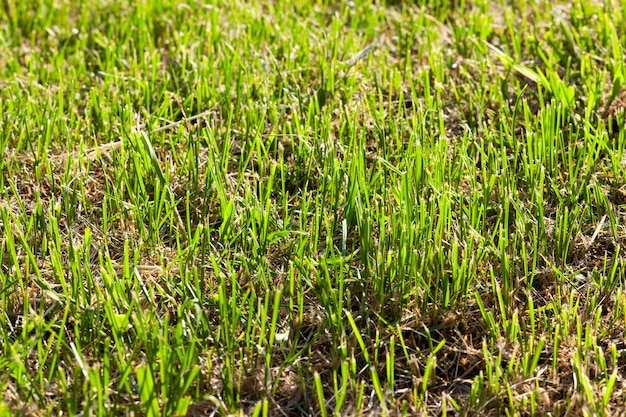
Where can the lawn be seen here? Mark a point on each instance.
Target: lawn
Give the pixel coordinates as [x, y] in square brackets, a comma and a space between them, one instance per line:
[322, 208]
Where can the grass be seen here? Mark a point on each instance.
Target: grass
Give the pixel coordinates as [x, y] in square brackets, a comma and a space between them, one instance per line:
[312, 208]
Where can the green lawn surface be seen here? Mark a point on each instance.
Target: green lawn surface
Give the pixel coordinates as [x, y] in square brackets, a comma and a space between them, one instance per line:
[316, 208]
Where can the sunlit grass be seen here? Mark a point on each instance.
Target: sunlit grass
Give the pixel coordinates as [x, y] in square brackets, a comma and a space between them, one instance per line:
[301, 208]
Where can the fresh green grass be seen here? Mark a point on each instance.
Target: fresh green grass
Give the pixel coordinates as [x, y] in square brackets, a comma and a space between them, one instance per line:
[312, 208]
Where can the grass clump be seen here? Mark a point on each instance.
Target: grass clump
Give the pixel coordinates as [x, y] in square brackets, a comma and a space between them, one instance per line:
[312, 208]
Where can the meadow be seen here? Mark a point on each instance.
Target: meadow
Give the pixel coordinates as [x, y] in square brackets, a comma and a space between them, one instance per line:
[312, 207]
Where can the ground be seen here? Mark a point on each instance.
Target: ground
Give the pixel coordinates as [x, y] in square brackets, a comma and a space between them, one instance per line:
[312, 208]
